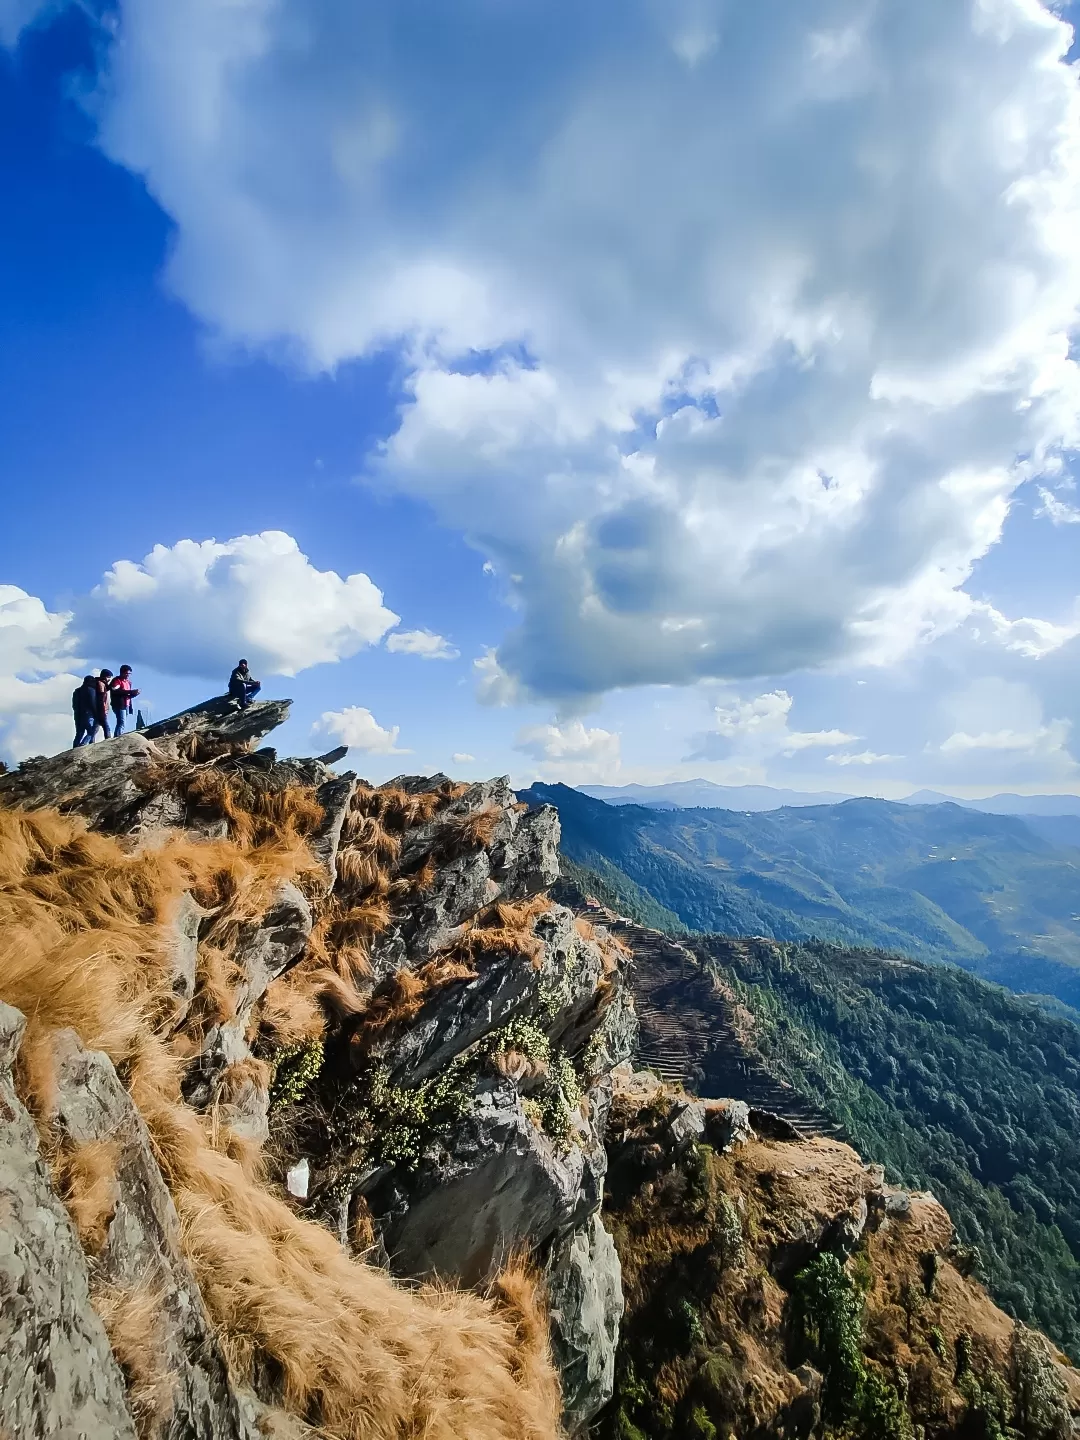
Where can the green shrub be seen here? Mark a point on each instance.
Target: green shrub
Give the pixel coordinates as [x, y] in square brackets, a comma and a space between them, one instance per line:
[701, 1427]
[295, 1067]
[828, 1318]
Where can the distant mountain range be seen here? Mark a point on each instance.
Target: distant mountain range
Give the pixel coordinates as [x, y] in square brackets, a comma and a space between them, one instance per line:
[936, 881]
[703, 794]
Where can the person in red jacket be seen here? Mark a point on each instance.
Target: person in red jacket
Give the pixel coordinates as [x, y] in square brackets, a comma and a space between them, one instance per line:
[121, 694]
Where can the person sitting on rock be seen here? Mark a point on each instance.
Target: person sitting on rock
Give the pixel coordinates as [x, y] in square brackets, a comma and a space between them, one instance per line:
[242, 687]
[121, 694]
[101, 706]
[84, 709]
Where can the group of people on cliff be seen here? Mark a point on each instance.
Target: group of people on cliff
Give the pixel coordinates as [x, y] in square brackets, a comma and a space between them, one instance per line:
[105, 693]
[95, 698]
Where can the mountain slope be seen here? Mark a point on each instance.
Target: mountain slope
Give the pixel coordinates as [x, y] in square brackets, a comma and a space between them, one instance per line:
[953, 1084]
[935, 882]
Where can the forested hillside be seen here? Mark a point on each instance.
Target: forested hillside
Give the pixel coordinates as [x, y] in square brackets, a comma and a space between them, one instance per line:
[953, 1084]
[937, 882]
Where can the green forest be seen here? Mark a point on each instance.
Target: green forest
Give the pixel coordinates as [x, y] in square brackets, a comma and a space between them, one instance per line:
[953, 1084]
[936, 882]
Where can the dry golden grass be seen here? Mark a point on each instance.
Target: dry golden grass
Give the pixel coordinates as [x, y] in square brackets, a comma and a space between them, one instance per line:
[82, 944]
[510, 928]
[85, 1179]
[132, 1320]
[398, 1001]
[476, 829]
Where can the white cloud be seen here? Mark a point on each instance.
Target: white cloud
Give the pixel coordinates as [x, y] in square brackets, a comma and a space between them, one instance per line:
[1055, 510]
[194, 607]
[494, 686]
[571, 753]
[462, 757]
[357, 727]
[861, 757]
[758, 729]
[424, 643]
[1051, 737]
[794, 283]
[36, 679]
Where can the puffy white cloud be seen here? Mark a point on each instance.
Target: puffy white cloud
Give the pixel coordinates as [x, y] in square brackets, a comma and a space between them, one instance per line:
[194, 607]
[424, 643]
[356, 727]
[36, 680]
[462, 757]
[571, 753]
[759, 729]
[775, 298]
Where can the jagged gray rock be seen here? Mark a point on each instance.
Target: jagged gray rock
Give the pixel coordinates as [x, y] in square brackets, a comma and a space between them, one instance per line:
[521, 859]
[100, 782]
[584, 1282]
[58, 1377]
[334, 796]
[142, 1256]
[561, 988]
[264, 949]
[727, 1123]
[496, 1183]
[222, 717]
[184, 951]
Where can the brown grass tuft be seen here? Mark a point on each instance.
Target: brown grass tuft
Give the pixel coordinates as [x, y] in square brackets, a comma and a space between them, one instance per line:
[510, 928]
[85, 1179]
[476, 830]
[132, 1320]
[82, 945]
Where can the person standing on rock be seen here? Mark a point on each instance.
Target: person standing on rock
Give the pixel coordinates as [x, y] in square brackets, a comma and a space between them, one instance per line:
[101, 706]
[242, 687]
[84, 709]
[121, 695]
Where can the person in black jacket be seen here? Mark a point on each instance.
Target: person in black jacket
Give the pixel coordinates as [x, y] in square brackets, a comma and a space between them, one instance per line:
[84, 702]
[242, 687]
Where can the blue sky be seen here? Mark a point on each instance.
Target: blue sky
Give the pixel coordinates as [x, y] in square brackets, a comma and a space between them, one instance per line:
[694, 382]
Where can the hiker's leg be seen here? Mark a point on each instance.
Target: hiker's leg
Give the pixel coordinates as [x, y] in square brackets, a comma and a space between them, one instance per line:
[118, 716]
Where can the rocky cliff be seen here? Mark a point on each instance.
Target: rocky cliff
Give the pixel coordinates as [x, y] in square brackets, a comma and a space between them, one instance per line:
[274, 1041]
[317, 1117]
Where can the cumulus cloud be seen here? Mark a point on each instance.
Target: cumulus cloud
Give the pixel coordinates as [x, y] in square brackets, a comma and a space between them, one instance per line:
[357, 728]
[765, 307]
[194, 607]
[759, 729]
[36, 676]
[462, 757]
[424, 643]
[571, 753]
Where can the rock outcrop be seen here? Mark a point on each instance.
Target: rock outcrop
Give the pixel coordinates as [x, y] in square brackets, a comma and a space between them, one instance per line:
[418, 1041]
